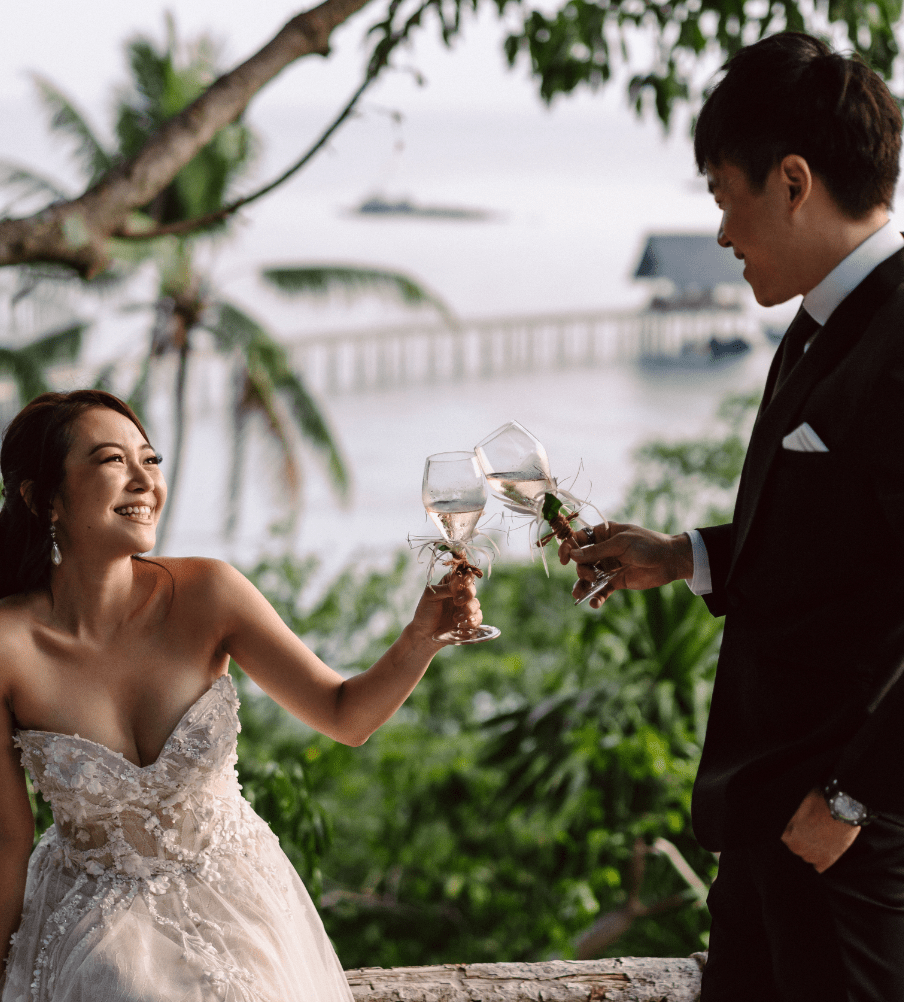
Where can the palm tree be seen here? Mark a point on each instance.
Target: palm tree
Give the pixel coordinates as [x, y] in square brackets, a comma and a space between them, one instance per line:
[27, 364]
[163, 81]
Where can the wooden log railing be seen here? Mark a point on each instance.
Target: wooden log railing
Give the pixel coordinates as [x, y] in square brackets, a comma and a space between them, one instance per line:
[626, 979]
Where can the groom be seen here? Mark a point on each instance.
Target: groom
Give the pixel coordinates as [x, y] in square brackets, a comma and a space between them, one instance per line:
[801, 782]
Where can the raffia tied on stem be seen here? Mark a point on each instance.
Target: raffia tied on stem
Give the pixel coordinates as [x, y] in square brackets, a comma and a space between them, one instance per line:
[460, 574]
[561, 529]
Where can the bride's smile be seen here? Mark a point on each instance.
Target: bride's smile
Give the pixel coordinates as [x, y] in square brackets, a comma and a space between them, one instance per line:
[158, 880]
[113, 488]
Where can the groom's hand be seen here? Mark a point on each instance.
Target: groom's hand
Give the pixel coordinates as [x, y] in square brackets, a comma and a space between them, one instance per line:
[646, 559]
[815, 836]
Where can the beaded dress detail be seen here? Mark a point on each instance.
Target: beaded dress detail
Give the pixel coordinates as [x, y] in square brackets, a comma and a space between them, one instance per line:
[160, 883]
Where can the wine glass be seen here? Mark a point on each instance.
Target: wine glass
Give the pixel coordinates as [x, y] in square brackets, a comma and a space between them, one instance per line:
[455, 495]
[517, 469]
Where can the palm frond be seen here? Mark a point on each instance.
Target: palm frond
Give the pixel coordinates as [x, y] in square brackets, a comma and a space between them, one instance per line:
[180, 427]
[26, 374]
[312, 422]
[260, 395]
[238, 451]
[234, 329]
[150, 71]
[66, 119]
[104, 379]
[164, 80]
[27, 365]
[138, 396]
[57, 346]
[25, 183]
[352, 281]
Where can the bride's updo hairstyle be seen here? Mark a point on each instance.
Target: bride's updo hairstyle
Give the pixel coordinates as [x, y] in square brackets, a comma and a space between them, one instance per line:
[34, 449]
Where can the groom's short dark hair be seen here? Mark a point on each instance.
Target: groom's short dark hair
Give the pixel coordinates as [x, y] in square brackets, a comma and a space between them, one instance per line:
[790, 94]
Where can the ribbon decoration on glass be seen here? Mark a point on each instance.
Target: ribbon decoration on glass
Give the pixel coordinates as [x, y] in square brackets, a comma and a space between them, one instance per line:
[454, 494]
[517, 469]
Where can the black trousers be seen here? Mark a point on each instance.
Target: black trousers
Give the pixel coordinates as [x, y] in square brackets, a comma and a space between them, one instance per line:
[783, 932]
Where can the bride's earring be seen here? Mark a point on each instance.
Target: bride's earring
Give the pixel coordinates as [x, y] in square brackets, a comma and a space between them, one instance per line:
[56, 558]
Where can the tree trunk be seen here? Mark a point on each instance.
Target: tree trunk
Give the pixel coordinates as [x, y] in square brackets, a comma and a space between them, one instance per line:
[626, 979]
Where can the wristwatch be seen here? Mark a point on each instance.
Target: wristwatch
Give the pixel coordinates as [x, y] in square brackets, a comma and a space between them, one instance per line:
[844, 808]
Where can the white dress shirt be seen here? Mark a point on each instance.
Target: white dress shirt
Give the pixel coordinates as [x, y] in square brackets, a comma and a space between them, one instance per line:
[820, 302]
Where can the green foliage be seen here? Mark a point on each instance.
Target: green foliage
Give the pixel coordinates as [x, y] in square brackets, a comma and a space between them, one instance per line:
[41, 810]
[321, 280]
[165, 77]
[582, 43]
[164, 80]
[275, 783]
[69, 122]
[693, 482]
[26, 365]
[267, 377]
[496, 816]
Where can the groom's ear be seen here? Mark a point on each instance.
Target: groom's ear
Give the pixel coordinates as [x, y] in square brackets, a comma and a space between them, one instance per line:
[797, 179]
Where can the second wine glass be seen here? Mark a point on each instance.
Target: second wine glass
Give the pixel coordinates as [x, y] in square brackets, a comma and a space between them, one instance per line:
[517, 468]
[455, 495]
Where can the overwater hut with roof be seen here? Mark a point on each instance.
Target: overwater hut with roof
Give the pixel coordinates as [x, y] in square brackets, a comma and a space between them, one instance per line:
[695, 311]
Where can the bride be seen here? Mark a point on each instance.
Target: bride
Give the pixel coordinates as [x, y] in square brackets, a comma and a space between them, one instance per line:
[157, 880]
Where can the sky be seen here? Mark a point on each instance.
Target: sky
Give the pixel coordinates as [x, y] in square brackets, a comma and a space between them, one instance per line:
[574, 191]
[79, 46]
[573, 188]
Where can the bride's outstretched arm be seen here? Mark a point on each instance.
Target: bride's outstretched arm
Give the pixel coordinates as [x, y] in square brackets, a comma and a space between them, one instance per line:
[17, 829]
[349, 710]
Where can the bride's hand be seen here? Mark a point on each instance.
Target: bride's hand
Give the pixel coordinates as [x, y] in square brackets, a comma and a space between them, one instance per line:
[451, 604]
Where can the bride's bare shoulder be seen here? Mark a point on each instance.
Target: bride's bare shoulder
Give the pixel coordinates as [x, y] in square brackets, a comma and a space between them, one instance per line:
[200, 576]
[19, 616]
[19, 611]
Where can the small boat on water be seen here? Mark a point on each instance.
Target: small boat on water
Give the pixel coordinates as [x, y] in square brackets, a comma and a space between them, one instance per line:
[699, 354]
[377, 205]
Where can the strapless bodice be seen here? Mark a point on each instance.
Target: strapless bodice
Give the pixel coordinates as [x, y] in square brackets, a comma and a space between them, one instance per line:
[160, 882]
[142, 821]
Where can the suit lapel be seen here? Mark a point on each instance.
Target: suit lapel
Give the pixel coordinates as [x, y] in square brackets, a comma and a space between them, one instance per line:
[845, 327]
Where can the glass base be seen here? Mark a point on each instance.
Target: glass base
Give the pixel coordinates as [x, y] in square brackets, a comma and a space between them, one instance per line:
[598, 585]
[472, 635]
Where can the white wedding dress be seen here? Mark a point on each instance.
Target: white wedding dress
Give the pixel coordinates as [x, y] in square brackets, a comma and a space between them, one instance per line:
[159, 883]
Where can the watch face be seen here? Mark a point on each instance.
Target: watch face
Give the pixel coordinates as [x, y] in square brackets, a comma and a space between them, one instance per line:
[846, 808]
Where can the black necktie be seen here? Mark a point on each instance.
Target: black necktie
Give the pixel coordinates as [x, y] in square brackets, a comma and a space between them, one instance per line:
[802, 328]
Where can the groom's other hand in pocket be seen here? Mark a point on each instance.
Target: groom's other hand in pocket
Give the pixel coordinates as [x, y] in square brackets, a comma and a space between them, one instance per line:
[643, 558]
[815, 836]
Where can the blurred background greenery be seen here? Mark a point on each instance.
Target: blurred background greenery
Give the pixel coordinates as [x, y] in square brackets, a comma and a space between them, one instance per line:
[532, 797]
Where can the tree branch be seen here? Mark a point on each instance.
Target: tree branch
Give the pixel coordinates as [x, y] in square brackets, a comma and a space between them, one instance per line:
[185, 226]
[75, 233]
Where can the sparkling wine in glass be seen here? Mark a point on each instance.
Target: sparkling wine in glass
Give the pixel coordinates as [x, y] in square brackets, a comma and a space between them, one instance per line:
[517, 469]
[455, 495]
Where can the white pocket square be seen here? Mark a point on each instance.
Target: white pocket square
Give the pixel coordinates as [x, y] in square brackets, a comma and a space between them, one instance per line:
[804, 439]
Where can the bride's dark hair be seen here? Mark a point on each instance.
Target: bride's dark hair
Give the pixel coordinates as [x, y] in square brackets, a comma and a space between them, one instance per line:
[33, 453]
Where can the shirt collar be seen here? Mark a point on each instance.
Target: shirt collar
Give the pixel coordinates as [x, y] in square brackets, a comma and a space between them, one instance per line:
[821, 301]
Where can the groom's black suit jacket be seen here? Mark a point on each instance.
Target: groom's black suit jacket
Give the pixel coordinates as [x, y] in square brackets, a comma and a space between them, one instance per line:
[810, 578]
